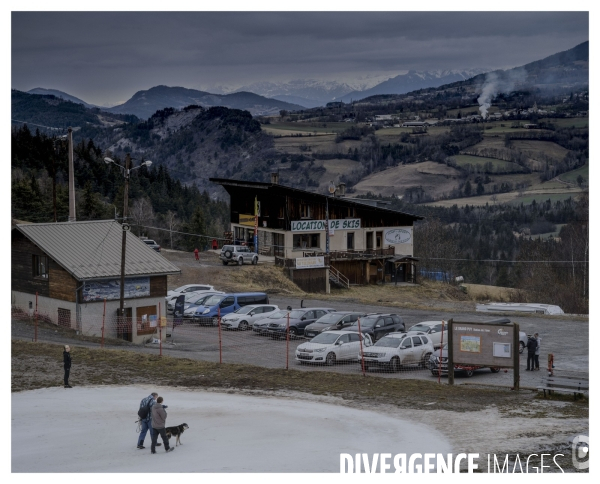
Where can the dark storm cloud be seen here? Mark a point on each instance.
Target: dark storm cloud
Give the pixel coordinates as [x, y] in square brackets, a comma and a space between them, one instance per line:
[107, 56]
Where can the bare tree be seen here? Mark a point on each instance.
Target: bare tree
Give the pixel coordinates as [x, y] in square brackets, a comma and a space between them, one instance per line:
[142, 213]
[173, 223]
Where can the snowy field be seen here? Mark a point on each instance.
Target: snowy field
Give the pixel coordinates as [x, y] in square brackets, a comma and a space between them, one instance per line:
[92, 429]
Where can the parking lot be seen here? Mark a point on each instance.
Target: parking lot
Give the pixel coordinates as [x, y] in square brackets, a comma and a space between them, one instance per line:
[566, 337]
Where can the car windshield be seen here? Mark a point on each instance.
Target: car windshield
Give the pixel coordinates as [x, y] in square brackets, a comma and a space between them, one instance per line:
[366, 322]
[201, 300]
[244, 310]
[389, 342]
[325, 338]
[297, 314]
[420, 327]
[330, 318]
[213, 300]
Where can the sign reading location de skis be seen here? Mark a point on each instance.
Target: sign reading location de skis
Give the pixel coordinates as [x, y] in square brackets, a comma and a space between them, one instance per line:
[316, 225]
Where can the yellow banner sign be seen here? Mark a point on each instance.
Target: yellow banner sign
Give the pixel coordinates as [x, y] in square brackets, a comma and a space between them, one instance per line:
[246, 220]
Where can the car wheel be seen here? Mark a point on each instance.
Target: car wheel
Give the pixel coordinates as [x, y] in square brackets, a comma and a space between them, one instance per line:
[228, 254]
[468, 373]
[330, 360]
[243, 326]
[240, 261]
[225, 262]
[254, 261]
[494, 370]
[521, 347]
[293, 332]
[434, 373]
[214, 321]
[395, 364]
[425, 360]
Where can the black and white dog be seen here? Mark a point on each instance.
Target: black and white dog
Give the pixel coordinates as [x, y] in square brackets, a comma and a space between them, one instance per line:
[176, 431]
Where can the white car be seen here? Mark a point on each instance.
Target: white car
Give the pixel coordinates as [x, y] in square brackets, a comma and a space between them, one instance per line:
[244, 317]
[433, 329]
[187, 289]
[398, 349]
[331, 346]
[260, 325]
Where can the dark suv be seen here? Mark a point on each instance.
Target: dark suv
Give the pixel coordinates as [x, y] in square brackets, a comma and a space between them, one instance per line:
[299, 319]
[378, 325]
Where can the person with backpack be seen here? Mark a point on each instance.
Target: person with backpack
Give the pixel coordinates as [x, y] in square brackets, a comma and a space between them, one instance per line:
[531, 347]
[145, 415]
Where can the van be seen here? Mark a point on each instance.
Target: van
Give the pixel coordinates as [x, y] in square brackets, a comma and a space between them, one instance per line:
[222, 304]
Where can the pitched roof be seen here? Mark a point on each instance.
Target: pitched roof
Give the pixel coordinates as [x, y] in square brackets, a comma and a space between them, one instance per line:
[92, 249]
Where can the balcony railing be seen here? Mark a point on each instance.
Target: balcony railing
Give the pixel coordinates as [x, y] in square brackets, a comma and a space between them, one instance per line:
[354, 254]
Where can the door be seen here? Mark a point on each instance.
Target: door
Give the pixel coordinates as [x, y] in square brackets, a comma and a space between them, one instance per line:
[124, 324]
[435, 335]
[345, 347]
[378, 239]
[418, 349]
[227, 305]
[379, 329]
[406, 351]
[369, 240]
[309, 317]
[354, 346]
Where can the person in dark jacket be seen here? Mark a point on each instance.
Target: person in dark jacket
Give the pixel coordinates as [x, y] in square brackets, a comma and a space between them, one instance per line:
[536, 357]
[146, 423]
[531, 347]
[67, 364]
[159, 419]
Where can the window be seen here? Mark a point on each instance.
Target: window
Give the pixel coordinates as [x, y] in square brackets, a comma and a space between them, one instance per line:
[319, 313]
[228, 301]
[345, 338]
[416, 341]
[309, 315]
[406, 343]
[424, 340]
[369, 240]
[306, 241]
[350, 240]
[304, 210]
[280, 214]
[64, 317]
[389, 321]
[40, 266]
[378, 237]
[397, 319]
[354, 337]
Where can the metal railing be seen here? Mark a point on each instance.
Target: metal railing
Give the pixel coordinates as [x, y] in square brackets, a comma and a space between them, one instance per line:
[339, 278]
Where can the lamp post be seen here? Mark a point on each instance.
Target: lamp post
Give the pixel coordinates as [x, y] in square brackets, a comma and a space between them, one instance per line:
[125, 225]
[331, 189]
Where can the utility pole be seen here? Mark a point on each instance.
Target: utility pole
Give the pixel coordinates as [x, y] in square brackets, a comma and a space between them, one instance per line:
[125, 227]
[72, 216]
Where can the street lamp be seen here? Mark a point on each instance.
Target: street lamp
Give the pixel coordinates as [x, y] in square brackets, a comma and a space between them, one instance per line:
[125, 225]
[331, 189]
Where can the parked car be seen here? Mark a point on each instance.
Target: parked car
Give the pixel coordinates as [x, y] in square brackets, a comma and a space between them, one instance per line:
[237, 254]
[188, 288]
[433, 329]
[188, 298]
[398, 349]
[331, 322]
[245, 316]
[260, 325]
[298, 319]
[153, 245]
[435, 365]
[223, 304]
[331, 346]
[523, 337]
[189, 309]
[378, 325]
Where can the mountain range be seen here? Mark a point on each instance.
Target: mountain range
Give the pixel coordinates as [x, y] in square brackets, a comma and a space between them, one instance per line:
[59, 94]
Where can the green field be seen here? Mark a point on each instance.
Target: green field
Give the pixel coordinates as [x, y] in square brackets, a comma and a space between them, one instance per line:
[320, 128]
[571, 176]
[568, 122]
[500, 166]
[541, 198]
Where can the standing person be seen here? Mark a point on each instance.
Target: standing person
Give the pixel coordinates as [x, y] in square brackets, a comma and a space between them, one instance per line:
[159, 418]
[146, 422]
[196, 253]
[67, 364]
[531, 346]
[537, 351]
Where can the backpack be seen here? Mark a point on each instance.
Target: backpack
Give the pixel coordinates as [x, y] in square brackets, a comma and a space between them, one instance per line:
[144, 411]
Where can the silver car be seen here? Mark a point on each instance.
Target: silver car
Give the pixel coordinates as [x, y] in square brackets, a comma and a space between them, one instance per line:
[237, 254]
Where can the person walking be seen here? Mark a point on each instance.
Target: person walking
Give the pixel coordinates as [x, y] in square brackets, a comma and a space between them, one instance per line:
[536, 356]
[146, 422]
[159, 419]
[67, 364]
[531, 346]
[196, 253]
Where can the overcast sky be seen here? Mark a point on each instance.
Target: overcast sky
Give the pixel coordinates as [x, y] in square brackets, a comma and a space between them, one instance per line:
[105, 57]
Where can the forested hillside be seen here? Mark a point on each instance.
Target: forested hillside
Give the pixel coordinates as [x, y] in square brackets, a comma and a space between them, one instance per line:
[39, 167]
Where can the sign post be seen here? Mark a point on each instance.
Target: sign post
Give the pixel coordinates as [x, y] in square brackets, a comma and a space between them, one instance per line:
[256, 224]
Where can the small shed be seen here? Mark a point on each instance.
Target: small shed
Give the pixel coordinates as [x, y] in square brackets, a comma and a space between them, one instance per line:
[72, 268]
